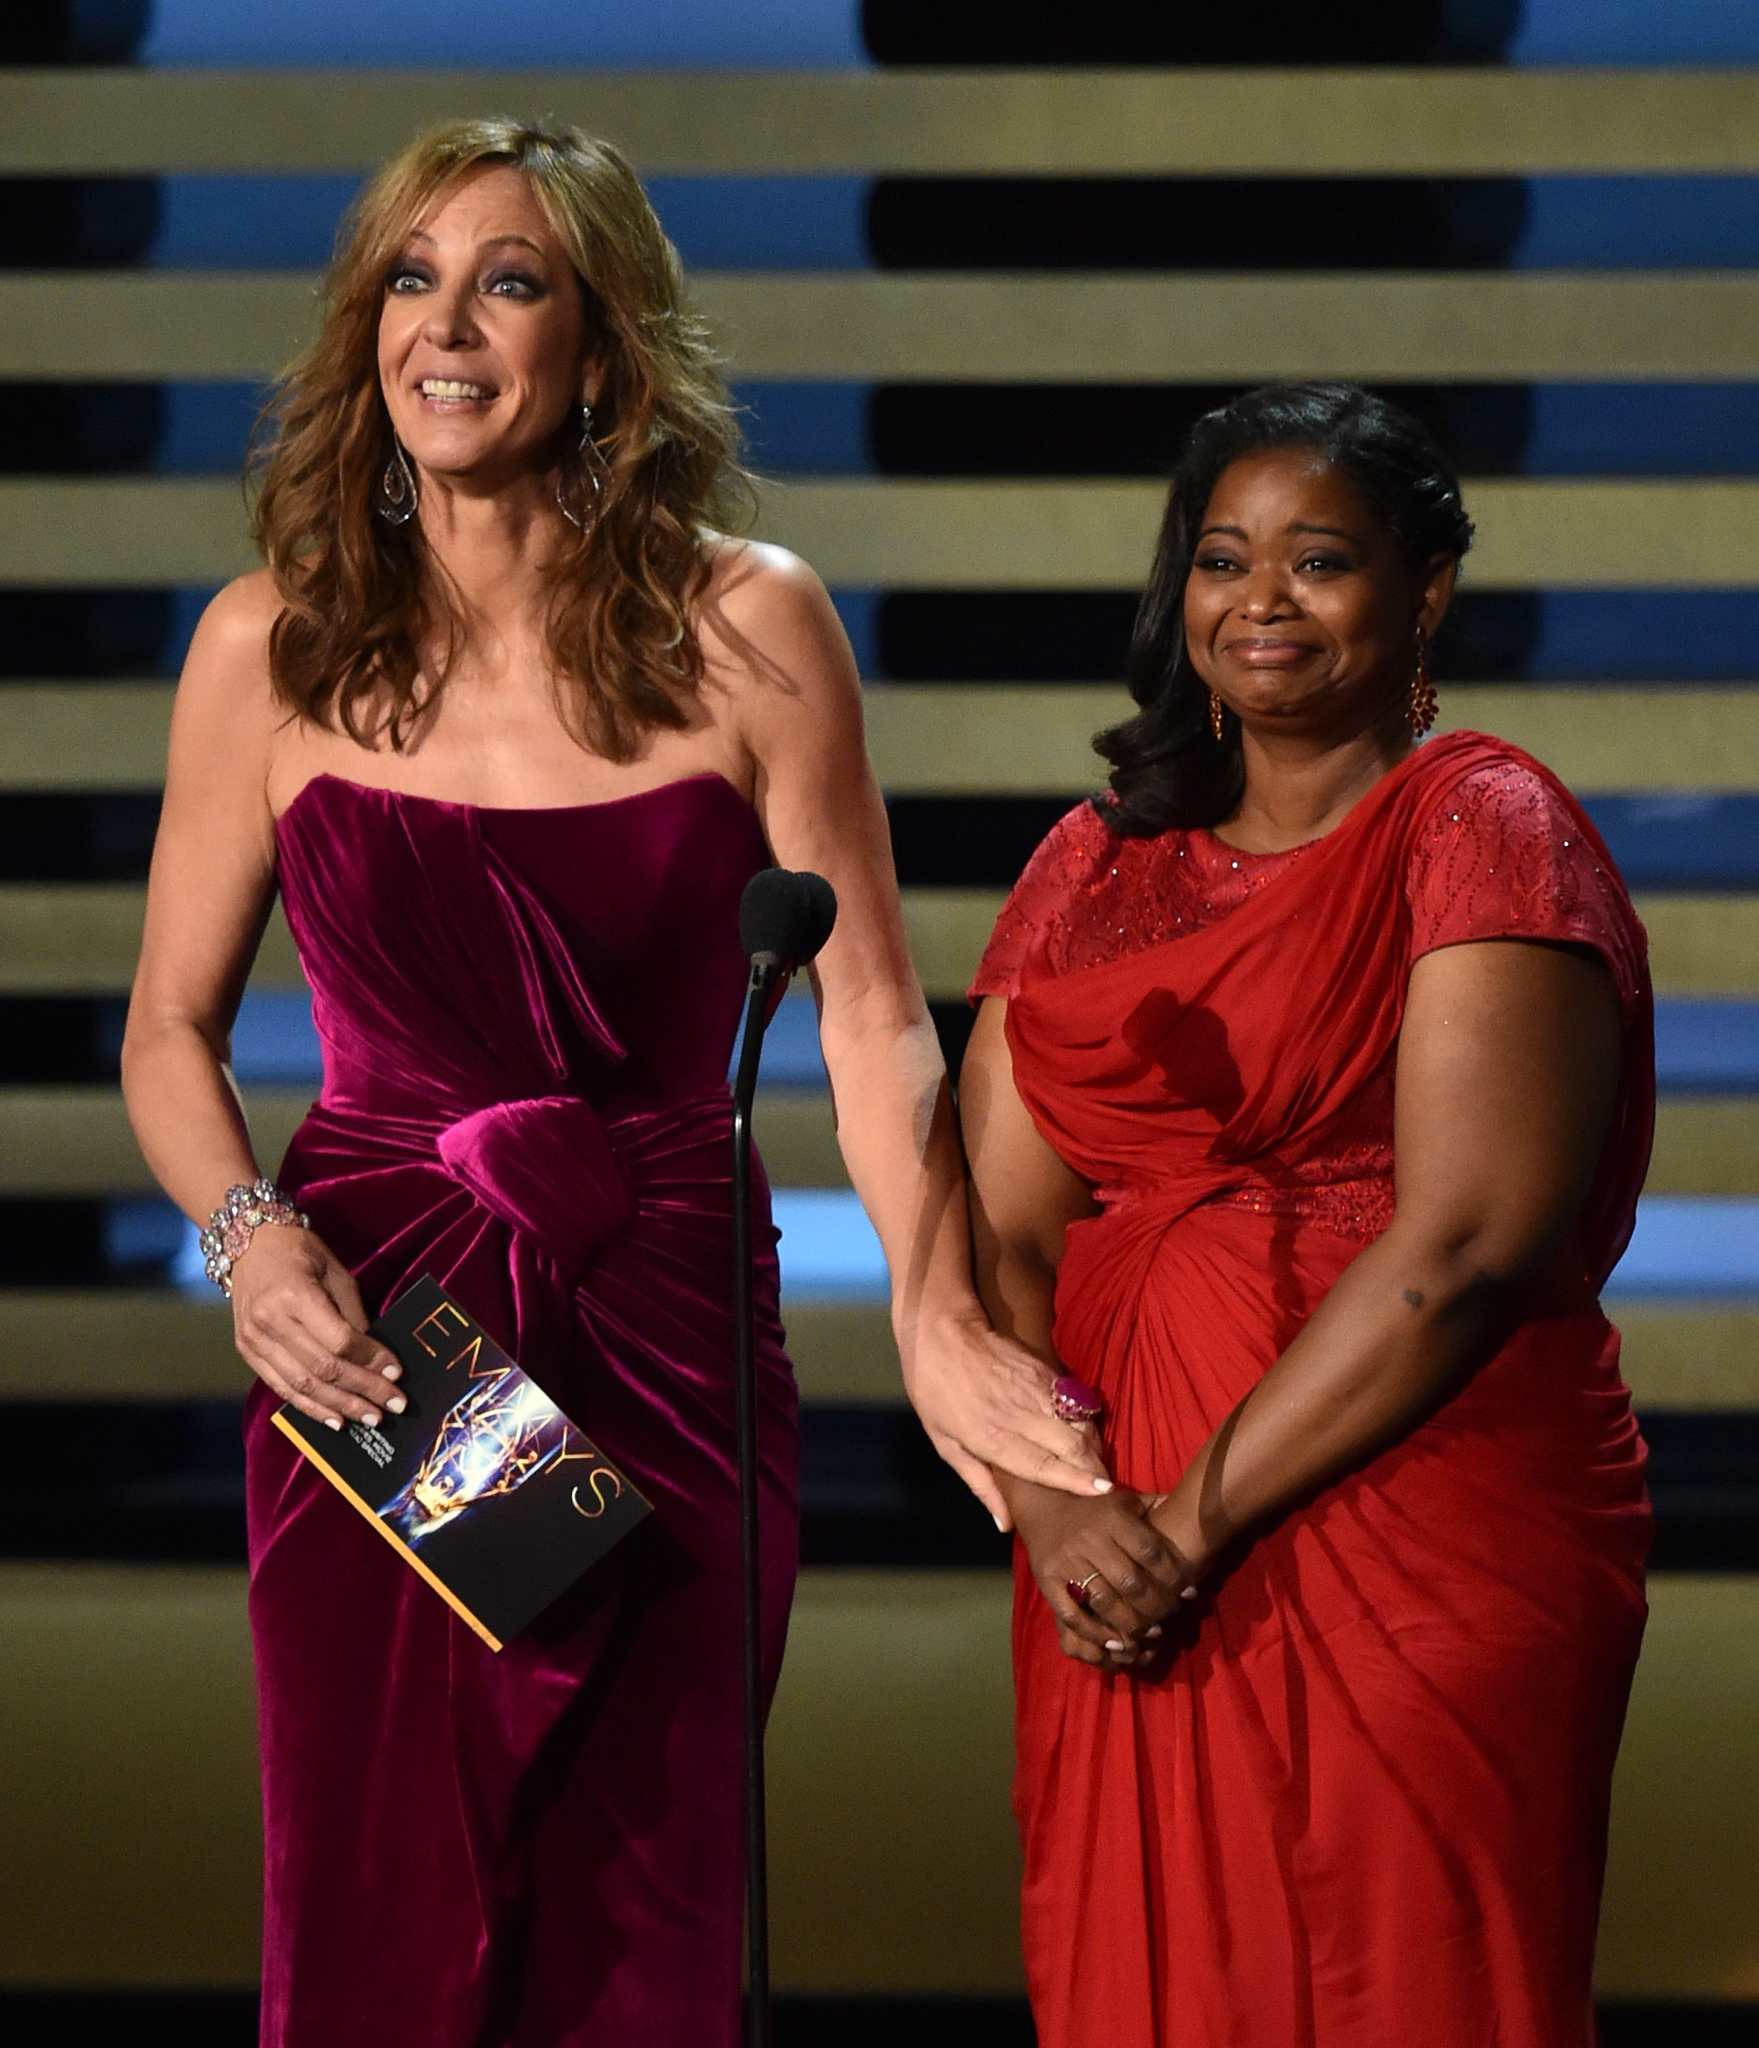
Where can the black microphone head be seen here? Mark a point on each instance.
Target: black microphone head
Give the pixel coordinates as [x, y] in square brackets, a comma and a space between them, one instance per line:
[787, 915]
[818, 902]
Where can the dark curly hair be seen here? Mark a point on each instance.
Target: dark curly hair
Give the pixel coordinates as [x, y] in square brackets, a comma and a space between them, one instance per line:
[1167, 768]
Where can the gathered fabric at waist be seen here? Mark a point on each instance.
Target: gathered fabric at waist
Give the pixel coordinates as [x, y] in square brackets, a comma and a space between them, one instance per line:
[555, 1169]
[1350, 1197]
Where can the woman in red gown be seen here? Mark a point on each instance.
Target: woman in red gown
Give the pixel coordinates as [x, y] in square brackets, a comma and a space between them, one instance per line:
[1307, 1108]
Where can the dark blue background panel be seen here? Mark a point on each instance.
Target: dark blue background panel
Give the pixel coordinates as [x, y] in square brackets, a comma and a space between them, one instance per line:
[1617, 223]
[263, 221]
[1680, 839]
[1707, 1048]
[1636, 32]
[1648, 636]
[1642, 430]
[272, 221]
[554, 34]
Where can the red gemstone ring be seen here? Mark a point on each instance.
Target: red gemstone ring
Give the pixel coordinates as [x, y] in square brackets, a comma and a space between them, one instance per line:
[1073, 1400]
[1077, 1589]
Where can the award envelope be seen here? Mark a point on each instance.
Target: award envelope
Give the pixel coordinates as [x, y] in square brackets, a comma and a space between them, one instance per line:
[482, 1483]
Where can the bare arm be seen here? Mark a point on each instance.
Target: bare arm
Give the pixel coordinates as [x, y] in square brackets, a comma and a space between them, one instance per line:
[1507, 1075]
[1023, 1199]
[984, 1400]
[296, 1312]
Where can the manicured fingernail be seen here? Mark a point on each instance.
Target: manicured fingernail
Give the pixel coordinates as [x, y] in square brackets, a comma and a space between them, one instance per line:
[1102, 1486]
[1117, 1648]
[1000, 1524]
[332, 1422]
[390, 1372]
[1190, 1593]
[1154, 1633]
[370, 1419]
[396, 1404]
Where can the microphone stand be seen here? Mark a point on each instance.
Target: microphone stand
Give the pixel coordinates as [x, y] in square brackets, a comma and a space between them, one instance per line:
[768, 977]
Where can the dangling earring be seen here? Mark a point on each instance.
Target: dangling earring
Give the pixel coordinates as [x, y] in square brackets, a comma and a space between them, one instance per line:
[592, 468]
[1215, 716]
[1420, 704]
[397, 495]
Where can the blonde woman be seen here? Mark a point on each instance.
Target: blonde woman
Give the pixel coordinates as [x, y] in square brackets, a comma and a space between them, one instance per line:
[510, 724]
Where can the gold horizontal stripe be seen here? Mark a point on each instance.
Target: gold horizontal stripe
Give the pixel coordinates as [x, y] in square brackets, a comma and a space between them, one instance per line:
[1684, 1854]
[910, 327]
[997, 739]
[992, 739]
[952, 739]
[1706, 1145]
[92, 1344]
[1698, 945]
[1100, 329]
[134, 532]
[1020, 122]
[797, 1136]
[96, 1344]
[1532, 535]
[948, 930]
[80, 938]
[1620, 738]
[83, 736]
[77, 1141]
[1702, 945]
[154, 324]
[1689, 1358]
[948, 535]
[131, 1778]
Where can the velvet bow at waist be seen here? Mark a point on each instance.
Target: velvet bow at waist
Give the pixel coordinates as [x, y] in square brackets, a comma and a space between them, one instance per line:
[553, 1168]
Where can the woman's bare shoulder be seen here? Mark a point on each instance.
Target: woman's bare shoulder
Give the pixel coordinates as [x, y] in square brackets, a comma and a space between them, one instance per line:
[225, 696]
[763, 598]
[230, 646]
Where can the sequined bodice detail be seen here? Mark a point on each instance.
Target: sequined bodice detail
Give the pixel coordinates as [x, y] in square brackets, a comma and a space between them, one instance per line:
[1093, 897]
[1497, 857]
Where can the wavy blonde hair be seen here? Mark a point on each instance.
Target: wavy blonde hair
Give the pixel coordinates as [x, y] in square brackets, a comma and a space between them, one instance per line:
[367, 634]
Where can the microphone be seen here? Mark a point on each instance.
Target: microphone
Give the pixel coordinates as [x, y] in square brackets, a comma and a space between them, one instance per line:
[784, 918]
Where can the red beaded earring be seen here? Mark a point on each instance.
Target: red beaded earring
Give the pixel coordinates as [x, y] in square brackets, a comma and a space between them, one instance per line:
[1420, 705]
[1215, 716]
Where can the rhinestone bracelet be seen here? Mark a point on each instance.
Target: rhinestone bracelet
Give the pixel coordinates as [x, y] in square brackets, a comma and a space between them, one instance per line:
[237, 1220]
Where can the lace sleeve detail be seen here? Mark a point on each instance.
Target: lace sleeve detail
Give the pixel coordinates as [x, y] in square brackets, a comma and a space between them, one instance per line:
[1065, 859]
[1505, 856]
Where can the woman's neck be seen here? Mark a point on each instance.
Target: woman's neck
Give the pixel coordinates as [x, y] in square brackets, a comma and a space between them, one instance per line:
[491, 551]
[1299, 788]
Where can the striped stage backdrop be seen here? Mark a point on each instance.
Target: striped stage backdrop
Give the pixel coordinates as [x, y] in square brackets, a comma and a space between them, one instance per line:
[975, 268]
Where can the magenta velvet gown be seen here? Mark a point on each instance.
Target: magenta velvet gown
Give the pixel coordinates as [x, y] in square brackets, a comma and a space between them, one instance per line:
[526, 1018]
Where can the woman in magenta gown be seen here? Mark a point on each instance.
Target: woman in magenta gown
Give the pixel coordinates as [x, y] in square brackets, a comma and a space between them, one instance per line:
[1308, 1108]
[509, 724]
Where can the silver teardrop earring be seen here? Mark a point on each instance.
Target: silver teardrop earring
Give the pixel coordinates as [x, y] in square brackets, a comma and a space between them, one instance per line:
[592, 465]
[397, 495]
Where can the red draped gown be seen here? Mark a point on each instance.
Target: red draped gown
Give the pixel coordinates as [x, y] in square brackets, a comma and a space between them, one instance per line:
[1363, 1804]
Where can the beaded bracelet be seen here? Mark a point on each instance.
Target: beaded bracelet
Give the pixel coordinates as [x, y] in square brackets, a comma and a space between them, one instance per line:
[237, 1220]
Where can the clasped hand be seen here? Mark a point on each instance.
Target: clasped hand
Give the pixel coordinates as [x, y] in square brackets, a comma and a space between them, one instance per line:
[1133, 1575]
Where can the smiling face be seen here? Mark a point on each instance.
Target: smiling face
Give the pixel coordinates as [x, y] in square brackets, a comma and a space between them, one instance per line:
[482, 334]
[1301, 612]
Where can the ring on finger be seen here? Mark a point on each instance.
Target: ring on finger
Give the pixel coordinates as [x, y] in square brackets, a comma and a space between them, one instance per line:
[1078, 1589]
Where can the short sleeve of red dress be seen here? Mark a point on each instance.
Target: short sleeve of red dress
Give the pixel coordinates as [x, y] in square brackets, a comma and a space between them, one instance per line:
[1507, 856]
[1066, 858]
